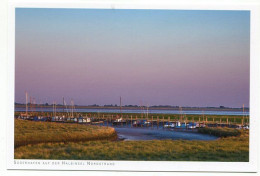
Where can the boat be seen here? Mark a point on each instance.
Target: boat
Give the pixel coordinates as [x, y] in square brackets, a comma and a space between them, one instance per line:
[200, 125]
[177, 124]
[246, 127]
[141, 123]
[180, 125]
[169, 125]
[84, 119]
[192, 125]
[119, 121]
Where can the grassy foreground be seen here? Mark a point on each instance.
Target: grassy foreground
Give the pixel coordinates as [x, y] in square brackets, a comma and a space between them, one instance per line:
[226, 149]
[29, 132]
[42, 140]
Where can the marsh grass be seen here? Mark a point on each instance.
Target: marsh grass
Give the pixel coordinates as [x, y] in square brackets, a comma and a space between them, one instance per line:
[45, 140]
[30, 132]
[221, 132]
[226, 149]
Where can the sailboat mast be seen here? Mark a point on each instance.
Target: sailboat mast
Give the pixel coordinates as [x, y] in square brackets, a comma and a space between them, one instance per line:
[30, 104]
[34, 105]
[52, 109]
[63, 103]
[243, 113]
[243, 110]
[120, 106]
[147, 110]
[141, 107]
[41, 107]
[72, 106]
[181, 113]
[26, 103]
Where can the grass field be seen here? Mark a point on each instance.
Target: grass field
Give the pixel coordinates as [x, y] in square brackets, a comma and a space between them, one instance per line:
[226, 149]
[29, 132]
[233, 148]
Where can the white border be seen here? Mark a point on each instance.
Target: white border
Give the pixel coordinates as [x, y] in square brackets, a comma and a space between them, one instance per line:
[251, 166]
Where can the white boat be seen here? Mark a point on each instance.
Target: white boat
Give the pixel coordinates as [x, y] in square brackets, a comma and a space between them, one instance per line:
[82, 120]
[246, 127]
[56, 119]
[169, 125]
[118, 120]
[192, 125]
[177, 124]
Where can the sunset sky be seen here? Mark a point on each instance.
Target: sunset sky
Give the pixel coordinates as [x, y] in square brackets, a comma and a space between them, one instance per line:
[157, 57]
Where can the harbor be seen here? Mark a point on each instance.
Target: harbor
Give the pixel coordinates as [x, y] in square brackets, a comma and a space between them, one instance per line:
[142, 119]
[184, 123]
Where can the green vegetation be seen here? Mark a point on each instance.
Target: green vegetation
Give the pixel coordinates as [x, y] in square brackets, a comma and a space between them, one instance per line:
[220, 132]
[225, 149]
[46, 140]
[30, 132]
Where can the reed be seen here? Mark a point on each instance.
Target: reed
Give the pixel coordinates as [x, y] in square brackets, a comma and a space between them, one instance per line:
[30, 132]
[235, 149]
[47, 140]
[220, 132]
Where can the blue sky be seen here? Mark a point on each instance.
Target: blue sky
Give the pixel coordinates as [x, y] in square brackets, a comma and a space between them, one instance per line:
[176, 57]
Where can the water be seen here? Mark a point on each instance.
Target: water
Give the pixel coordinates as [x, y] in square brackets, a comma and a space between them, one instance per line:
[125, 133]
[240, 113]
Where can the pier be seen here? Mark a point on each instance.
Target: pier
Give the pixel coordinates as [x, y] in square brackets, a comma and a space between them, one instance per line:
[140, 121]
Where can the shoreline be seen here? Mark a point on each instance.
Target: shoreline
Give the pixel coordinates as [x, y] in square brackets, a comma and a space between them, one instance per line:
[138, 108]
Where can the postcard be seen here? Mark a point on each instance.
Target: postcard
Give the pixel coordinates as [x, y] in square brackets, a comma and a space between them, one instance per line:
[132, 87]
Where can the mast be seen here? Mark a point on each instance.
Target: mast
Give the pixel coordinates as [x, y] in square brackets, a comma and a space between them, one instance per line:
[243, 110]
[203, 116]
[72, 106]
[41, 107]
[52, 109]
[120, 106]
[141, 106]
[34, 105]
[147, 110]
[30, 104]
[243, 114]
[180, 113]
[26, 103]
[63, 104]
[54, 103]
